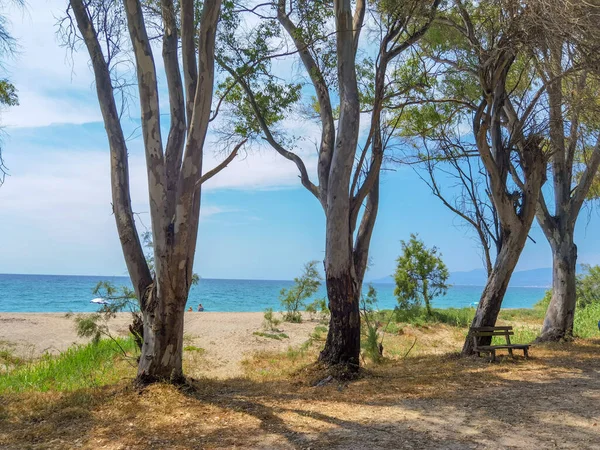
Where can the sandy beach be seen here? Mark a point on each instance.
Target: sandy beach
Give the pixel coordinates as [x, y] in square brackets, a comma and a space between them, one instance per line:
[227, 338]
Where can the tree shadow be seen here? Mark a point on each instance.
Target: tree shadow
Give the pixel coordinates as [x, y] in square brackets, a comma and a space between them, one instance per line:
[421, 402]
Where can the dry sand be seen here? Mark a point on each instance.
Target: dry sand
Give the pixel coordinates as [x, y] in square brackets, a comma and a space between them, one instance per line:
[227, 338]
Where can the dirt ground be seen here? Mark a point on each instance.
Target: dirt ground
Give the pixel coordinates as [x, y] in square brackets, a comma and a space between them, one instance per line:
[227, 338]
[428, 400]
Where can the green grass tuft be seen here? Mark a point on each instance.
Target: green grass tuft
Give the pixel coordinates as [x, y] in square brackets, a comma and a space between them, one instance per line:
[193, 348]
[276, 336]
[80, 366]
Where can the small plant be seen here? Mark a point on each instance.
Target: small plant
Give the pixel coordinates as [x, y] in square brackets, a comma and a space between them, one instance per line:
[319, 309]
[420, 276]
[304, 287]
[193, 348]
[277, 336]
[270, 323]
[371, 318]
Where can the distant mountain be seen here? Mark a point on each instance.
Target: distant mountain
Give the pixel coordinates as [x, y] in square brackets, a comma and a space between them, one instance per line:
[523, 278]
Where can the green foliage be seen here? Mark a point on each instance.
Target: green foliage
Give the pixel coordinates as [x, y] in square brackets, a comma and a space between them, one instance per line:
[95, 325]
[420, 276]
[585, 324]
[588, 286]
[8, 94]
[78, 367]
[417, 315]
[305, 286]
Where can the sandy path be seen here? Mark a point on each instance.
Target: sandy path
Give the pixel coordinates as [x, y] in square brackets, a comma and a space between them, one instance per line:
[227, 338]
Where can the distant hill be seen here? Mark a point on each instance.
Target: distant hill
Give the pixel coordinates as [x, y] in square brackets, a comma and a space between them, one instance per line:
[524, 278]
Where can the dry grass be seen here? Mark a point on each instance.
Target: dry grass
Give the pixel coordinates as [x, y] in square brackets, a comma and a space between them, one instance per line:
[430, 399]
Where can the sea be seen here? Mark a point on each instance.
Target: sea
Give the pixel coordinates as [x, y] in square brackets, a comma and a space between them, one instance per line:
[62, 293]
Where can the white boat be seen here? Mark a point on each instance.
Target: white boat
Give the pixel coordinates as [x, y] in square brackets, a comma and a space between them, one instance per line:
[99, 301]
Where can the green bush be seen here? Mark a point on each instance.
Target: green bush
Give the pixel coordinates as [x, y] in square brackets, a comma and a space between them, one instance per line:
[304, 287]
[586, 321]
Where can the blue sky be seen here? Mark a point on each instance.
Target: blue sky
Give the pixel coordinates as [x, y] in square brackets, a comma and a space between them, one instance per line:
[256, 222]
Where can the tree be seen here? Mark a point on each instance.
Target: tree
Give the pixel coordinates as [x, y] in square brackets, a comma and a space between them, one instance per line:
[564, 50]
[483, 79]
[305, 286]
[420, 275]
[111, 33]
[326, 38]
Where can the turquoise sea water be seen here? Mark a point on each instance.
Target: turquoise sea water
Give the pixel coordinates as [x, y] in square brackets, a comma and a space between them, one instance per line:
[58, 293]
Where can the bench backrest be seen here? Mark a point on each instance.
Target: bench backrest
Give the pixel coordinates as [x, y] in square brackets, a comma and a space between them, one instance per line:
[477, 332]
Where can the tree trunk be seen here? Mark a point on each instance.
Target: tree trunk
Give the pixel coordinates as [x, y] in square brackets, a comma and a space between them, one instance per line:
[161, 357]
[558, 323]
[495, 288]
[343, 339]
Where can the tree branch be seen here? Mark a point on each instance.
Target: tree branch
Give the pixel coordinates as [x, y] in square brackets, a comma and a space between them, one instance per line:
[304, 178]
[211, 173]
[121, 199]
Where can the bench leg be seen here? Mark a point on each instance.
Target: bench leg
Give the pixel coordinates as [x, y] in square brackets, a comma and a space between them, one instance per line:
[510, 352]
[492, 355]
[526, 353]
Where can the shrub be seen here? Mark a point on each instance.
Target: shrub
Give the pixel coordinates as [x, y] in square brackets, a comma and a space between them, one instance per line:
[420, 276]
[270, 323]
[304, 287]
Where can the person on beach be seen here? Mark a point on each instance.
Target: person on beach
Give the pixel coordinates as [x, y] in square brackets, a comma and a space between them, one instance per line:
[190, 309]
[200, 307]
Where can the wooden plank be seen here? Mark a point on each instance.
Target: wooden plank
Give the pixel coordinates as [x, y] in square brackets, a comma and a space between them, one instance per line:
[491, 347]
[493, 333]
[491, 328]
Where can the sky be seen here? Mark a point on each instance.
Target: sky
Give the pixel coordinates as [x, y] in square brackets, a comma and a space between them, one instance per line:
[257, 221]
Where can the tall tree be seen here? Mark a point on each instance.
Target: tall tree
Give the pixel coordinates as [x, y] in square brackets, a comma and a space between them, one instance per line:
[564, 46]
[175, 172]
[326, 36]
[476, 50]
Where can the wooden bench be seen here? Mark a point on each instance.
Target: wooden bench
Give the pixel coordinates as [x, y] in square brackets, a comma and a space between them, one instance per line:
[479, 332]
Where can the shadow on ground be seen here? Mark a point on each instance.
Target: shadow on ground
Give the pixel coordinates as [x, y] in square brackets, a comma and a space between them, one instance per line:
[431, 402]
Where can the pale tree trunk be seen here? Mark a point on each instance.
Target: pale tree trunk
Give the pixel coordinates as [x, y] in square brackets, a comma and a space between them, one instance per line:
[161, 357]
[558, 322]
[568, 200]
[339, 191]
[174, 171]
